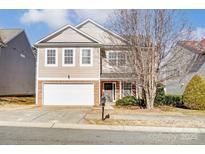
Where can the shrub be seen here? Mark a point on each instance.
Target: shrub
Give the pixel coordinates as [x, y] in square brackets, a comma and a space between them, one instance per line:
[173, 100]
[160, 95]
[119, 102]
[194, 94]
[129, 101]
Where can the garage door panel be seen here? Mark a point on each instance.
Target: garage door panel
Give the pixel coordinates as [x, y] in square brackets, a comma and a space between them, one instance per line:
[68, 94]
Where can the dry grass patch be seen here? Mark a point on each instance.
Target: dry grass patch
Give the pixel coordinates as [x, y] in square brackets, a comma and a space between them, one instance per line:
[160, 110]
[182, 111]
[5, 101]
[156, 123]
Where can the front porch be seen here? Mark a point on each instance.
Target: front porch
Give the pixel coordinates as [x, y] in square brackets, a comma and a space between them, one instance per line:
[117, 89]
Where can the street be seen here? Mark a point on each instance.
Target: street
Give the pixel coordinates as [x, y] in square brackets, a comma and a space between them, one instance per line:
[39, 136]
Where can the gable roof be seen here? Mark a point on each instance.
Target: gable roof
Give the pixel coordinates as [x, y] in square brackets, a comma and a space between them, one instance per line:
[194, 46]
[100, 26]
[7, 35]
[63, 29]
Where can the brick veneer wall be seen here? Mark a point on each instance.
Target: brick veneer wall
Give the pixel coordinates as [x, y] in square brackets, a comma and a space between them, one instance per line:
[95, 82]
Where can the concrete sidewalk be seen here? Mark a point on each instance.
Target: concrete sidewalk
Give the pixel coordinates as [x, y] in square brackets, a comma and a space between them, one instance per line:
[76, 118]
[103, 127]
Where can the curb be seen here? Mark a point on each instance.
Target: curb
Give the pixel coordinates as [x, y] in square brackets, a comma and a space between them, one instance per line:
[103, 127]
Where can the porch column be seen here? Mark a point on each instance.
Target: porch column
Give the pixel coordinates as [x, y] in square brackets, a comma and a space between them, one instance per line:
[120, 89]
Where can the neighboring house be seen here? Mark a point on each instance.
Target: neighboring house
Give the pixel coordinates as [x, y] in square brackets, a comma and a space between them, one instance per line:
[17, 64]
[191, 49]
[72, 66]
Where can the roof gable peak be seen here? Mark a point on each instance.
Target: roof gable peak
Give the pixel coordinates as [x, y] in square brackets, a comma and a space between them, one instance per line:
[100, 26]
[63, 29]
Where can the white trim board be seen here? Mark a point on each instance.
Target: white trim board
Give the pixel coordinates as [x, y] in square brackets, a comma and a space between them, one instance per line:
[36, 79]
[50, 78]
[64, 28]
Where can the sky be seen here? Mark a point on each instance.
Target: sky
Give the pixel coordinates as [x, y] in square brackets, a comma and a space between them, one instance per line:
[39, 23]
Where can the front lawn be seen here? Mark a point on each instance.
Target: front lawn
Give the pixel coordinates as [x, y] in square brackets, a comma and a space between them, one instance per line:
[161, 116]
[161, 110]
[5, 101]
[182, 110]
[156, 123]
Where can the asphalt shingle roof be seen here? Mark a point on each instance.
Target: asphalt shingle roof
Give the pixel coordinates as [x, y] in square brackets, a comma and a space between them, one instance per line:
[8, 34]
[196, 46]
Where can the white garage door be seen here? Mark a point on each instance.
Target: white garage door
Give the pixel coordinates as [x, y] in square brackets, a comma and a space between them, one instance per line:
[68, 94]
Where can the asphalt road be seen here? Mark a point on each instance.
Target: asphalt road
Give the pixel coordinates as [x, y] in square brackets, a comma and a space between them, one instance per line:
[39, 136]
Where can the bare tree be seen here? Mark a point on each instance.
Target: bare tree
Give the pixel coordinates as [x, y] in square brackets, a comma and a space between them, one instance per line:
[150, 42]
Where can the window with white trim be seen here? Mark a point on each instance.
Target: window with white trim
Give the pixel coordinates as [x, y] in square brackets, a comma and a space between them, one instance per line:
[112, 58]
[127, 89]
[121, 59]
[51, 57]
[117, 58]
[86, 57]
[68, 57]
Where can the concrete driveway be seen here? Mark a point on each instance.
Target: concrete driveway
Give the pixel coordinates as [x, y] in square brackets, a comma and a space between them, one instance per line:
[47, 114]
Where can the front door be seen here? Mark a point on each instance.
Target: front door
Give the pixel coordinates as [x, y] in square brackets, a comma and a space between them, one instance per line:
[109, 91]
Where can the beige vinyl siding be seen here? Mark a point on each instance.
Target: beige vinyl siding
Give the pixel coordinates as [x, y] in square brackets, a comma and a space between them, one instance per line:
[76, 71]
[70, 35]
[100, 34]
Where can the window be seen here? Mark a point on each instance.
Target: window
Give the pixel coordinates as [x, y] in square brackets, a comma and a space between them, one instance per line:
[68, 57]
[51, 57]
[86, 57]
[127, 89]
[121, 59]
[113, 58]
[117, 58]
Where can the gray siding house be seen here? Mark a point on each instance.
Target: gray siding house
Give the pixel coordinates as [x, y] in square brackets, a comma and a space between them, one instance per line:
[17, 63]
[190, 48]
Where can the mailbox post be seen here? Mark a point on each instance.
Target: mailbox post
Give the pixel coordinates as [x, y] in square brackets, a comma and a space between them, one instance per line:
[103, 101]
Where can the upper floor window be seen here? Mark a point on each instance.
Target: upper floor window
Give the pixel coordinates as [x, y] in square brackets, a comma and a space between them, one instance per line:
[68, 57]
[51, 57]
[117, 58]
[121, 59]
[86, 57]
[113, 58]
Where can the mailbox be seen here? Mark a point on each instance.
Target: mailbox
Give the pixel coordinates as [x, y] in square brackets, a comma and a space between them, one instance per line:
[103, 100]
[102, 103]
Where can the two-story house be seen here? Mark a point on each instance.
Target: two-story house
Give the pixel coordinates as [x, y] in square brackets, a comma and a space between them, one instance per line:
[74, 66]
[194, 52]
[17, 64]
